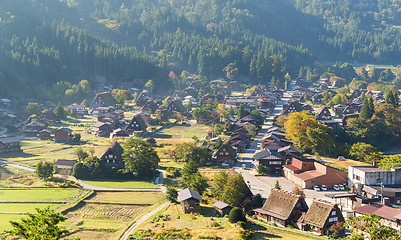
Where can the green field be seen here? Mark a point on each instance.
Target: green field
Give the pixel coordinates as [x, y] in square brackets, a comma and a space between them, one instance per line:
[14, 203]
[123, 184]
[40, 195]
[182, 131]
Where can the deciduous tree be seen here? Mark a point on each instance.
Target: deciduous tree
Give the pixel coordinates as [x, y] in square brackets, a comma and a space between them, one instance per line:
[140, 158]
[40, 226]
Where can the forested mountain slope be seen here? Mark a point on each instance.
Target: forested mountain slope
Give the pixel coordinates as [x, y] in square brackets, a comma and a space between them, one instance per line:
[46, 41]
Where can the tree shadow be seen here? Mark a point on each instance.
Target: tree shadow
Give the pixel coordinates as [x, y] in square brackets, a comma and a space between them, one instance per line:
[261, 232]
[18, 155]
[208, 211]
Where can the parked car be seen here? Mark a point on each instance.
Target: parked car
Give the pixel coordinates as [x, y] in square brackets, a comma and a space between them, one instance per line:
[336, 187]
[342, 187]
[324, 188]
[316, 188]
[341, 158]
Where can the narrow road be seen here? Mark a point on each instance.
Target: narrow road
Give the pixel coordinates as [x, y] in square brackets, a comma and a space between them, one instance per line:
[247, 158]
[141, 220]
[86, 185]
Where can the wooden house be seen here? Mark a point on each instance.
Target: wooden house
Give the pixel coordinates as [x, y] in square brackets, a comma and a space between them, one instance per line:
[118, 133]
[45, 134]
[150, 106]
[290, 151]
[33, 129]
[239, 146]
[102, 129]
[338, 109]
[143, 98]
[249, 119]
[63, 135]
[323, 113]
[222, 208]
[112, 156]
[137, 124]
[48, 116]
[65, 167]
[177, 106]
[282, 208]
[104, 99]
[76, 110]
[226, 153]
[272, 159]
[190, 201]
[320, 216]
[10, 144]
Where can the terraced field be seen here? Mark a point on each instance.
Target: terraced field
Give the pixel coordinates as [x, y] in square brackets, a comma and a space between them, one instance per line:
[16, 202]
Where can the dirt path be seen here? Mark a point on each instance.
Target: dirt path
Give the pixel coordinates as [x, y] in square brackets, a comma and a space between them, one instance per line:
[141, 220]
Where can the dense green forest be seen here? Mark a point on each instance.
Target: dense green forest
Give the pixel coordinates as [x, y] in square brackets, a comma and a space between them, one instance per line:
[44, 42]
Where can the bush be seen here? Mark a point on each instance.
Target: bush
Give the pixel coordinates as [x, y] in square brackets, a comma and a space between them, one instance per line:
[262, 169]
[246, 234]
[171, 194]
[236, 215]
[241, 224]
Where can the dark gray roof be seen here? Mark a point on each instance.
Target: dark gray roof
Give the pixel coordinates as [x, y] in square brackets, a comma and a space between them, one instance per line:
[66, 162]
[220, 205]
[67, 130]
[9, 139]
[265, 153]
[187, 194]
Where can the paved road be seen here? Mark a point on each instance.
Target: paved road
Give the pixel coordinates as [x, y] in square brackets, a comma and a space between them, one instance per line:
[264, 184]
[141, 220]
[89, 186]
[255, 145]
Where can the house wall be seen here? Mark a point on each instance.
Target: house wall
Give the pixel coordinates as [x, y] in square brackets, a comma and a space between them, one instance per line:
[61, 136]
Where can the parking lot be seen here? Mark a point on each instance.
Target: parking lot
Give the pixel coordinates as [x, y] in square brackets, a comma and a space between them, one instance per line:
[264, 184]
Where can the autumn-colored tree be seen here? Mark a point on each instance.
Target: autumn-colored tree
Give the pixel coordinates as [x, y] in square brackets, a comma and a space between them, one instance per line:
[370, 227]
[307, 133]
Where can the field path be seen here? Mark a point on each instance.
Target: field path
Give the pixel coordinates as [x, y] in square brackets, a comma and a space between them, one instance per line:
[86, 185]
[141, 220]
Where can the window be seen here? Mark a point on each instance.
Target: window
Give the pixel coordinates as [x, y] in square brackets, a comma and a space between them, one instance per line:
[221, 153]
[107, 161]
[226, 153]
[110, 156]
[275, 162]
[114, 161]
[333, 213]
[333, 219]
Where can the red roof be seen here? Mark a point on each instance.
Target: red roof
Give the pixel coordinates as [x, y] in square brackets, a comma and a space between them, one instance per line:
[382, 211]
[291, 167]
[309, 175]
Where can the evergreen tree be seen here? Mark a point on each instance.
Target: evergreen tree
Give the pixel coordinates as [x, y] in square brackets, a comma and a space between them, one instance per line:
[277, 185]
[367, 109]
[241, 112]
[59, 112]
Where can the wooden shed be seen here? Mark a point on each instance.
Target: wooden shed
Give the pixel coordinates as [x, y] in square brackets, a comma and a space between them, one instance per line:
[190, 201]
[222, 208]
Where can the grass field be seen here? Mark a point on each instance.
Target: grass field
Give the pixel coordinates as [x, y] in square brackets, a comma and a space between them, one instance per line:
[183, 131]
[14, 203]
[123, 184]
[40, 195]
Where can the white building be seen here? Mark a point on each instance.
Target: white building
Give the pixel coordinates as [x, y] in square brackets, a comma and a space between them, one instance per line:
[371, 175]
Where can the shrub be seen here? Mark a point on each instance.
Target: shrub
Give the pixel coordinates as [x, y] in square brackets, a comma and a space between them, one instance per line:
[246, 234]
[241, 224]
[236, 215]
[171, 194]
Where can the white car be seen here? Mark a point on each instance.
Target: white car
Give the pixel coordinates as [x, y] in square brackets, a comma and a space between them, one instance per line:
[324, 188]
[336, 187]
[341, 158]
[316, 188]
[342, 187]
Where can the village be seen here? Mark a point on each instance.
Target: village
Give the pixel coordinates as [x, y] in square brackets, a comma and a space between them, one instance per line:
[233, 128]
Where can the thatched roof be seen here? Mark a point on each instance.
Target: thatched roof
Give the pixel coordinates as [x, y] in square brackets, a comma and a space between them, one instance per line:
[280, 204]
[187, 194]
[318, 213]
